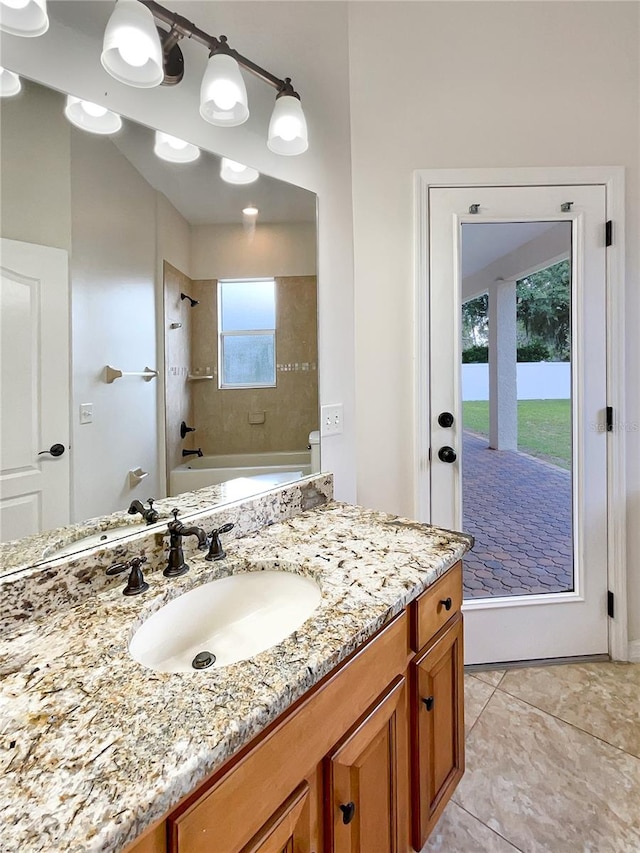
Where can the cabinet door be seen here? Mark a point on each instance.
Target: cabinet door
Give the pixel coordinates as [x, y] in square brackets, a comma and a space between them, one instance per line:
[366, 781]
[437, 714]
[288, 830]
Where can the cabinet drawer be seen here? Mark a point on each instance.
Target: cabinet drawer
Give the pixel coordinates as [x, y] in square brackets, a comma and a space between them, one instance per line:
[431, 610]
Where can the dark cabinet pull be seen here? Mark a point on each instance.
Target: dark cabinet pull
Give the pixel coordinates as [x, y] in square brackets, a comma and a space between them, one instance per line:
[54, 450]
[445, 419]
[428, 702]
[348, 812]
[446, 603]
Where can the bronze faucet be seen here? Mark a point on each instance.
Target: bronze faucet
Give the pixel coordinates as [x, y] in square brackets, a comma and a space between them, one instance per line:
[176, 565]
[149, 514]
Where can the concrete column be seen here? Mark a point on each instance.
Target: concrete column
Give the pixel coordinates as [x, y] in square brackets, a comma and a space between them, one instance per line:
[503, 392]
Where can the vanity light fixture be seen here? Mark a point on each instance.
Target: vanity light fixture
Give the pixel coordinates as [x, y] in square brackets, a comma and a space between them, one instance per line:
[237, 173]
[140, 53]
[250, 210]
[9, 83]
[223, 95]
[174, 150]
[288, 126]
[91, 117]
[132, 51]
[24, 17]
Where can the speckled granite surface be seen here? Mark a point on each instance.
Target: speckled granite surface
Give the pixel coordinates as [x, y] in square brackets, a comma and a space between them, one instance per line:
[20, 554]
[38, 590]
[94, 747]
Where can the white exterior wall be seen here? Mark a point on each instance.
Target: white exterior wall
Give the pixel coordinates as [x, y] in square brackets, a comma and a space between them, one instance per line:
[536, 381]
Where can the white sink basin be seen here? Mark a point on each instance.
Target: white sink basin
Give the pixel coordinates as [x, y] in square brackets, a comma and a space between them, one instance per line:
[233, 618]
[101, 538]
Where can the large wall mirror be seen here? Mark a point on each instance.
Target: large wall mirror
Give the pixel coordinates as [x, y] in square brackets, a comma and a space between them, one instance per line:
[191, 322]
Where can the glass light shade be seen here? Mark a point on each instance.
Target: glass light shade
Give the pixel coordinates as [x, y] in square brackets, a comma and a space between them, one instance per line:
[237, 173]
[131, 50]
[250, 211]
[24, 17]
[288, 127]
[92, 117]
[9, 83]
[223, 95]
[174, 150]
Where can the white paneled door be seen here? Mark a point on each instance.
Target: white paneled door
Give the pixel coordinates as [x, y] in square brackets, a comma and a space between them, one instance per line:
[528, 478]
[34, 376]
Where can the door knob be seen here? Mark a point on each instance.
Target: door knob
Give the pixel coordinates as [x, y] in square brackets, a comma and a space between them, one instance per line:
[447, 454]
[54, 450]
[445, 419]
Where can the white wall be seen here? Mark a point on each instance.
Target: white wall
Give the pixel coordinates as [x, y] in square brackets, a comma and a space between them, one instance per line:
[544, 380]
[492, 84]
[35, 169]
[113, 275]
[307, 41]
[273, 249]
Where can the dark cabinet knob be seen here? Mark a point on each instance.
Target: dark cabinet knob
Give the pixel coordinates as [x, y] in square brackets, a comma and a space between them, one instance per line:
[445, 419]
[54, 450]
[447, 454]
[348, 811]
[428, 702]
[446, 603]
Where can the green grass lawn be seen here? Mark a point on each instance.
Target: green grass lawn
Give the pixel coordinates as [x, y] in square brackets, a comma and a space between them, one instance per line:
[544, 427]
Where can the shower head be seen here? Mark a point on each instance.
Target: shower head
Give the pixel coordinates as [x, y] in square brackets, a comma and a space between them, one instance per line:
[193, 302]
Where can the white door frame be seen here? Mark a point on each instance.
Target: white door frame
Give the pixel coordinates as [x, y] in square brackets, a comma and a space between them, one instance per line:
[613, 178]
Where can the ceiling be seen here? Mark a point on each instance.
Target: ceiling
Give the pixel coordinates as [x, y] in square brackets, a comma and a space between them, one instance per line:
[484, 242]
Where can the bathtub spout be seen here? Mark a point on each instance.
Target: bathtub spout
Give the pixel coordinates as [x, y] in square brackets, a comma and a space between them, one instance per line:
[197, 452]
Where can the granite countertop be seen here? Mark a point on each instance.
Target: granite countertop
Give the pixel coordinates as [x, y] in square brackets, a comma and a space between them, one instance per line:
[95, 748]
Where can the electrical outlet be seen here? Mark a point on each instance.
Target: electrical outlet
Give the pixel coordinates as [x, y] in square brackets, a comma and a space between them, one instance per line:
[331, 418]
[86, 413]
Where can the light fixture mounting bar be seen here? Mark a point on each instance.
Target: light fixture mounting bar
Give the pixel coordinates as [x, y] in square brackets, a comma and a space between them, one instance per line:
[181, 27]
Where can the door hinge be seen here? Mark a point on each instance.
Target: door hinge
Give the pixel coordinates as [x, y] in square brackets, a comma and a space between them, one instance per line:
[608, 233]
[609, 411]
[610, 603]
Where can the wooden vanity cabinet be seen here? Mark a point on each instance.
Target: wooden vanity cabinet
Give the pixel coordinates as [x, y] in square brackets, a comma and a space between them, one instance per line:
[366, 777]
[289, 830]
[437, 727]
[361, 763]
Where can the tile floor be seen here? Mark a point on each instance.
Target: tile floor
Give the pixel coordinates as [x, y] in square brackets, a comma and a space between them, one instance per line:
[553, 763]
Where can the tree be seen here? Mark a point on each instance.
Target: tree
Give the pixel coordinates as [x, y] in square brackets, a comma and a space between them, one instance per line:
[544, 309]
[475, 321]
[543, 314]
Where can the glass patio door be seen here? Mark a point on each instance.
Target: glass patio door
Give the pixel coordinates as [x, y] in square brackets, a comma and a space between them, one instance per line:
[518, 395]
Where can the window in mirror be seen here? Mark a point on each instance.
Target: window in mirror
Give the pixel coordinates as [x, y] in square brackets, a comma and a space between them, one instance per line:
[247, 333]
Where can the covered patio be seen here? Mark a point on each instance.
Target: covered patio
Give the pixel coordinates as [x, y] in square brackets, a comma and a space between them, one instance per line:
[518, 508]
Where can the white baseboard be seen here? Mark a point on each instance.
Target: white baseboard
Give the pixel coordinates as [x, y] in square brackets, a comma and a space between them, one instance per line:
[634, 651]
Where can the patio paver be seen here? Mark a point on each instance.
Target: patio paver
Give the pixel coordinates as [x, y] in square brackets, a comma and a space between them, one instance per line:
[518, 508]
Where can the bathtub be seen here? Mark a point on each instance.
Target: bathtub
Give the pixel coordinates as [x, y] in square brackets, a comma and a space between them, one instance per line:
[267, 469]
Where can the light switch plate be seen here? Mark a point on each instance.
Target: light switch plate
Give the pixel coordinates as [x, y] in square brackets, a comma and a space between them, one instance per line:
[86, 413]
[331, 419]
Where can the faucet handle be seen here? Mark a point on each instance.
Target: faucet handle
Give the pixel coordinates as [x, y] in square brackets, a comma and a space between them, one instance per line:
[216, 551]
[117, 569]
[136, 582]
